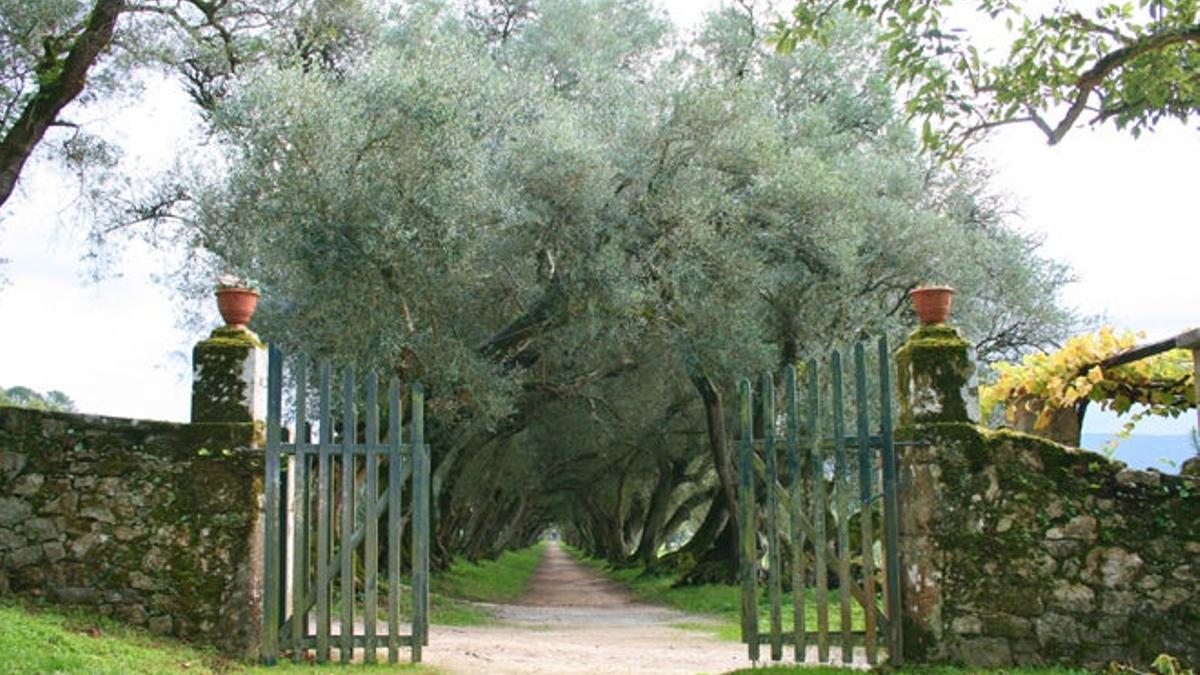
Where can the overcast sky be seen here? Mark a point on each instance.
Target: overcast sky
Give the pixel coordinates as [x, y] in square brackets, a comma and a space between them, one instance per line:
[1120, 211]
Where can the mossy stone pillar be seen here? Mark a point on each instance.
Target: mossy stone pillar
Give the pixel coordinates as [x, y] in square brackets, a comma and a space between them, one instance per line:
[935, 371]
[935, 374]
[229, 379]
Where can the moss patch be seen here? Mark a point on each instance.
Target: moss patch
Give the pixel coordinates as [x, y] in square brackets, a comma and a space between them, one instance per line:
[218, 387]
[1054, 553]
[934, 369]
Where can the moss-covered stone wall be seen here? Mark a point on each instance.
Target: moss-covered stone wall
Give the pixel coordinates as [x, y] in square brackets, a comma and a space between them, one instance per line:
[1018, 550]
[153, 523]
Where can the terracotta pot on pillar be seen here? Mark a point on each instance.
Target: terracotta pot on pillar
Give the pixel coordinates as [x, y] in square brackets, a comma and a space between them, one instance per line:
[237, 305]
[932, 303]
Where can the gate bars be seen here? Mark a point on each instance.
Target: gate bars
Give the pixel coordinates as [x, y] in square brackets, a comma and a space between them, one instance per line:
[809, 509]
[300, 574]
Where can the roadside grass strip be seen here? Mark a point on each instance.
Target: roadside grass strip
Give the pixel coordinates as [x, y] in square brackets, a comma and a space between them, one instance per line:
[497, 581]
[501, 580]
[721, 602]
[38, 640]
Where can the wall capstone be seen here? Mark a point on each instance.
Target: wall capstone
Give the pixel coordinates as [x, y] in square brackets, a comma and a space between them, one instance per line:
[229, 380]
[935, 371]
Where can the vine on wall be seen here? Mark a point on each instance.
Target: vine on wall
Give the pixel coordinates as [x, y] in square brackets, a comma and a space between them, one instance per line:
[1072, 377]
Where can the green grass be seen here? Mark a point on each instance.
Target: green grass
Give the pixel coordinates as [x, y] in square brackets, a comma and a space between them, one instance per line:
[36, 639]
[454, 591]
[502, 580]
[720, 602]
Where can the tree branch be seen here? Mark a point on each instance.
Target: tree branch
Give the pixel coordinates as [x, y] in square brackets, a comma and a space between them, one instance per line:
[60, 84]
[1095, 76]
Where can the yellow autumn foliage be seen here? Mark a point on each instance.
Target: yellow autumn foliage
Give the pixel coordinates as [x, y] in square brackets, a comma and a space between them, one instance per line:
[1164, 384]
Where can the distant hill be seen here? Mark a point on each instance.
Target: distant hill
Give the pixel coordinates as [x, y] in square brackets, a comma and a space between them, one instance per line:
[1165, 453]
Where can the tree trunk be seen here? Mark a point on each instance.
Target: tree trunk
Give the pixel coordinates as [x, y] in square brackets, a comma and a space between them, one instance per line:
[718, 441]
[683, 513]
[59, 84]
[717, 564]
[669, 473]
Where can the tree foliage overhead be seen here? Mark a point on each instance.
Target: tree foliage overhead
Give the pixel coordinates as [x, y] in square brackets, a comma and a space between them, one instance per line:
[579, 232]
[58, 55]
[1057, 66]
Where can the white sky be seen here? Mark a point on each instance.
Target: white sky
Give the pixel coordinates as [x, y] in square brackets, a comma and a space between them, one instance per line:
[1120, 211]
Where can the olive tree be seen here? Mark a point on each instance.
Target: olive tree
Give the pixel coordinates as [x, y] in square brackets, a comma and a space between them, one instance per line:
[579, 234]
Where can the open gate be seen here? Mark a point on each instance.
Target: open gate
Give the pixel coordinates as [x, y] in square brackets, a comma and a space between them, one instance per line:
[323, 503]
[822, 495]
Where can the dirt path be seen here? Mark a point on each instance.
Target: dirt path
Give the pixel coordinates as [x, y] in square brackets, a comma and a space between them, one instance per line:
[572, 620]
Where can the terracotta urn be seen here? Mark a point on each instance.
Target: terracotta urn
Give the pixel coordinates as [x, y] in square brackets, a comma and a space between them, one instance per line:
[932, 303]
[237, 305]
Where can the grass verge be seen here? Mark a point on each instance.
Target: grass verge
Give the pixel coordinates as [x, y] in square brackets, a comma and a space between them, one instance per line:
[723, 603]
[501, 580]
[42, 639]
[718, 601]
[33, 640]
[36, 639]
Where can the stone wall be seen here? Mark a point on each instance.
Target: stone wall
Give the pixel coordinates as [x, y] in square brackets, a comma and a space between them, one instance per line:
[153, 523]
[1017, 550]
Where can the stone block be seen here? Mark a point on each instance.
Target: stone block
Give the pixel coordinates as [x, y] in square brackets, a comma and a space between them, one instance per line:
[142, 582]
[1020, 600]
[1080, 527]
[1058, 628]
[82, 545]
[1062, 548]
[98, 512]
[131, 613]
[1007, 626]
[161, 625]
[64, 504]
[13, 511]
[1112, 567]
[24, 557]
[27, 485]
[76, 595]
[967, 624]
[41, 529]
[10, 540]
[54, 551]
[1109, 630]
[11, 464]
[985, 652]
[1071, 598]
[1118, 602]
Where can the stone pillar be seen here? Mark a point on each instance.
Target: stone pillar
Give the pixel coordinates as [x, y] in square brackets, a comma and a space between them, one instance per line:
[937, 385]
[229, 379]
[935, 370]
